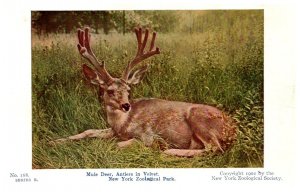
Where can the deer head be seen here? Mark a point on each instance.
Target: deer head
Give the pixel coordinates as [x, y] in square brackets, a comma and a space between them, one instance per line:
[116, 90]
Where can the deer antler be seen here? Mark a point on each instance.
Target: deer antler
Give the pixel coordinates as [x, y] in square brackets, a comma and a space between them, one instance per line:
[85, 50]
[141, 55]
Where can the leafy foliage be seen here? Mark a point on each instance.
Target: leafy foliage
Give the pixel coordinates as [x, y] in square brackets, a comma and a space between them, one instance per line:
[121, 21]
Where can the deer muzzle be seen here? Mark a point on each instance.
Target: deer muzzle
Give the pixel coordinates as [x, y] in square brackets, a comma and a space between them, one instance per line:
[126, 107]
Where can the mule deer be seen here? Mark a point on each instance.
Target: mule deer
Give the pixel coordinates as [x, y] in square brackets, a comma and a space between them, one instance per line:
[188, 129]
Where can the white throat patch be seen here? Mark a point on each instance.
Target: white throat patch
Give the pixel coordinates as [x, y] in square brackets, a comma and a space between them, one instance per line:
[116, 117]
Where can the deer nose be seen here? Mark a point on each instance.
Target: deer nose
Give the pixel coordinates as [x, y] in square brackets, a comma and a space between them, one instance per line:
[126, 106]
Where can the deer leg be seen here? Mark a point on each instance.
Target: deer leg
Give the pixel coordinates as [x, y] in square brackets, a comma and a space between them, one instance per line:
[206, 127]
[184, 152]
[98, 133]
[127, 143]
[147, 138]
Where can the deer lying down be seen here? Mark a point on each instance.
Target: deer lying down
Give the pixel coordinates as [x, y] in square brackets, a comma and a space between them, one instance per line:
[188, 129]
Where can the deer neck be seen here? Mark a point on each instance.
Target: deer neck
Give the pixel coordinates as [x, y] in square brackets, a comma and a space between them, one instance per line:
[116, 118]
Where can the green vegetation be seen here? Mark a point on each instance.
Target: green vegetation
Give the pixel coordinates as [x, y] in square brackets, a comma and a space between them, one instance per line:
[220, 65]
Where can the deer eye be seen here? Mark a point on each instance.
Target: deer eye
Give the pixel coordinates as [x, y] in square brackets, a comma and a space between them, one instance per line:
[110, 92]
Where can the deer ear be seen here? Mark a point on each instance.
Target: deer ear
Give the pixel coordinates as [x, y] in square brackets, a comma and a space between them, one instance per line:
[92, 75]
[138, 75]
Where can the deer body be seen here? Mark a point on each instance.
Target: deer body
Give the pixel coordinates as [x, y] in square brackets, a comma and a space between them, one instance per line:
[182, 125]
[149, 118]
[187, 128]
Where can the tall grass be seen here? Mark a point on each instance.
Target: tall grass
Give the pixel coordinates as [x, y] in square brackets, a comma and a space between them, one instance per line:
[221, 67]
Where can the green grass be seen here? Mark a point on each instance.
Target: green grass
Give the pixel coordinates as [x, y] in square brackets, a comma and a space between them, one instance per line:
[223, 68]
